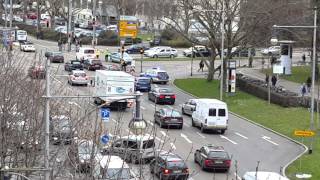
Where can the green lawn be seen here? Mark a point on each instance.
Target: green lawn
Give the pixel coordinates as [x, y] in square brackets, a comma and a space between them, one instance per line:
[283, 120]
[146, 37]
[299, 74]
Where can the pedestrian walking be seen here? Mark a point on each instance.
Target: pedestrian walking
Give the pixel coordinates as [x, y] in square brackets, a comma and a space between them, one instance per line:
[274, 80]
[37, 34]
[250, 61]
[303, 89]
[201, 66]
[303, 58]
[308, 82]
[267, 79]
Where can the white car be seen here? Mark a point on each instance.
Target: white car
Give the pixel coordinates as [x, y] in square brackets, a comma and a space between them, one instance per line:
[261, 175]
[60, 28]
[188, 52]
[17, 18]
[273, 50]
[162, 52]
[78, 77]
[27, 47]
[86, 53]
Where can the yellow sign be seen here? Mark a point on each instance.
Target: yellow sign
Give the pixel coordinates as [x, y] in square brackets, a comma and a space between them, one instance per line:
[128, 26]
[304, 133]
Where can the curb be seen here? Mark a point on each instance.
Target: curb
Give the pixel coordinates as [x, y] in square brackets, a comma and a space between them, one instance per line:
[264, 127]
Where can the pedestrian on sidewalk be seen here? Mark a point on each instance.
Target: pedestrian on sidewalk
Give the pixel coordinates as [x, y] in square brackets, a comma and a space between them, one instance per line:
[303, 89]
[274, 80]
[201, 66]
[250, 61]
[308, 82]
[304, 58]
[267, 79]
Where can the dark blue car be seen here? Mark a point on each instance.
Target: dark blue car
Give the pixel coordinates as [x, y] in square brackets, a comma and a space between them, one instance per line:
[142, 84]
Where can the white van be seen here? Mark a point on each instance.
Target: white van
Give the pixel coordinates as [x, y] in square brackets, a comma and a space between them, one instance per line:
[86, 53]
[210, 114]
[261, 175]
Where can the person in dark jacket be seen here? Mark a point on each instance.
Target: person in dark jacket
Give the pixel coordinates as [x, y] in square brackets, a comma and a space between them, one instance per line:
[274, 80]
[308, 82]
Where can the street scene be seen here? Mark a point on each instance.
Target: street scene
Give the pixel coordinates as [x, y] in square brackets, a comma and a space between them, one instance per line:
[144, 89]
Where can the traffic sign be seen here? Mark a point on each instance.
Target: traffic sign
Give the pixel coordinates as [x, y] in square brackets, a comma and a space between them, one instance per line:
[105, 114]
[304, 133]
[105, 139]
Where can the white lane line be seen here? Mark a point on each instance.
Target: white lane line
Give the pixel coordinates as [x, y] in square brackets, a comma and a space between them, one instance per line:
[159, 139]
[241, 135]
[173, 146]
[115, 121]
[190, 178]
[56, 80]
[143, 108]
[224, 137]
[269, 140]
[185, 124]
[156, 85]
[201, 135]
[74, 103]
[237, 176]
[152, 105]
[180, 105]
[149, 122]
[163, 133]
[186, 138]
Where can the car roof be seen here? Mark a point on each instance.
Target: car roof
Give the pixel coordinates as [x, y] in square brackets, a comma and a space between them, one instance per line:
[139, 137]
[211, 147]
[113, 162]
[211, 101]
[263, 175]
[169, 156]
[157, 69]
[142, 78]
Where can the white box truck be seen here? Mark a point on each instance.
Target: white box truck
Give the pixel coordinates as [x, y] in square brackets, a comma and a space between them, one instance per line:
[114, 88]
[210, 114]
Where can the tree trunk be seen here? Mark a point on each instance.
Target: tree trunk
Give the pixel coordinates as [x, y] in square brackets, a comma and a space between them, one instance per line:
[210, 76]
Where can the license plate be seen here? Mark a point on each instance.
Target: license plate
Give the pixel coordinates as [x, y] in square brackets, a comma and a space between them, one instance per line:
[168, 96]
[177, 171]
[218, 162]
[174, 119]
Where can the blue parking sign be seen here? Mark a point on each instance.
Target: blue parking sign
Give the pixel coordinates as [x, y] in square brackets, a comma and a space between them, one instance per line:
[105, 114]
[105, 139]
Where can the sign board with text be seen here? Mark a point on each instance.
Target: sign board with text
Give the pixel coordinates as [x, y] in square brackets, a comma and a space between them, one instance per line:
[128, 26]
[304, 133]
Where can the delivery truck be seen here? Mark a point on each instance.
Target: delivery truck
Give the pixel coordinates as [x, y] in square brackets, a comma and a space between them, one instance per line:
[115, 89]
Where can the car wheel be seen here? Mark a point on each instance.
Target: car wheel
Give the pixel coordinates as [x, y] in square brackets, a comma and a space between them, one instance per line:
[202, 129]
[171, 56]
[182, 110]
[181, 126]
[128, 52]
[222, 131]
[160, 124]
[155, 56]
[192, 123]
[269, 54]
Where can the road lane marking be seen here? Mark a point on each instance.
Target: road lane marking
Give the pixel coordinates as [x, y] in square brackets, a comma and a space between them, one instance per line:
[224, 137]
[180, 105]
[185, 124]
[269, 140]
[115, 121]
[237, 176]
[56, 80]
[186, 138]
[159, 139]
[201, 135]
[61, 75]
[163, 133]
[74, 103]
[173, 146]
[143, 108]
[149, 122]
[241, 135]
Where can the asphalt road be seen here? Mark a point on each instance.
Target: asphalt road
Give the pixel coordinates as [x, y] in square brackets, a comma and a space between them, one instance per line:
[247, 143]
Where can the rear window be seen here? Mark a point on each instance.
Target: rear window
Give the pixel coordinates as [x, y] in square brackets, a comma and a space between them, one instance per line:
[222, 112]
[163, 75]
[76, 62]
[212, 112]
[165, 91]
[89, 51]
[177, 163]
[132, 145]
[79, 74]
[143, 80]
[173, 113]
[148, 144]
[218, 154]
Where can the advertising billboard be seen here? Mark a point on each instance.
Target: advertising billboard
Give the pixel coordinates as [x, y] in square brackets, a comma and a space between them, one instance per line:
[128, 27]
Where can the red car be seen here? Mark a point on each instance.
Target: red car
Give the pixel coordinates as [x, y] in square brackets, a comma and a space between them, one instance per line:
[32, 16]
[37, 72]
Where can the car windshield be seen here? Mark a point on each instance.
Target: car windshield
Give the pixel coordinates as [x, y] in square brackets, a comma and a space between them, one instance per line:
[76, 62]
[144, 81]
[176, 163]
[148, 144]
[79, 74]
[21, 33]
[125, 55]
[218, 154]
[118, 173]
[96, 62]
[57, 54]
[62, 123]
[165, 90]
[89, 51]
[172, 113]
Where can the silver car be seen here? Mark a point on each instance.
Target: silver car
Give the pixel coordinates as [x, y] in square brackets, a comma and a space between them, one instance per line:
[162, 52]
[188, 107]
[78, 77]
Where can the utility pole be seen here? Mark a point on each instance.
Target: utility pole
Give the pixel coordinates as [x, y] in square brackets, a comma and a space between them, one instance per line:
[191, 60]
[6, 13]
[94, 24]
[38, 16]
[69, 25]
[11, 14]
[222, 52]
[47, 121]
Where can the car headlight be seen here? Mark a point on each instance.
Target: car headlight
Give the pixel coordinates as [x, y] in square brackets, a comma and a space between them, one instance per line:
[22, 143]
[81, 161]
[55, 138]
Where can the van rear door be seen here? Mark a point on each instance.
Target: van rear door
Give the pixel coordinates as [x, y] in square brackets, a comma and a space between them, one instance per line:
[222, 116]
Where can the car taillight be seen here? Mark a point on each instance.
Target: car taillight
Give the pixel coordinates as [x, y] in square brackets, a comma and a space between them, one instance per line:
[208, 162]
[87, 77]
[73, 78]
[228, 162]
[173, 96]
[166, 171]
[161, 96]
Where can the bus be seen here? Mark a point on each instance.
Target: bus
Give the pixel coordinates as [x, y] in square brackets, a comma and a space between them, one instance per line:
[21, 35]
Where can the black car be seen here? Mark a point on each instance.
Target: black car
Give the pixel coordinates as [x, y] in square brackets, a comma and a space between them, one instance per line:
[167, 165]
[92, 64]
[56, 57]
[212, 157]
[73, 65]
[156, 41]
[135, 49]
[61, 130]
[168, 117]
[162, 95]
[142, 84]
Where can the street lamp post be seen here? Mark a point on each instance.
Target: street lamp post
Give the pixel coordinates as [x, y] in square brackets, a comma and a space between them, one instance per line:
[314, 27]
[94, 24]
[191, 60]
[69, 25]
